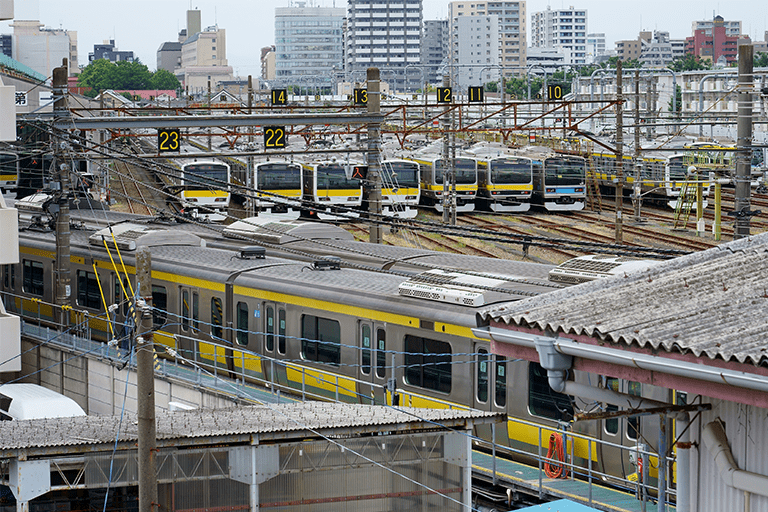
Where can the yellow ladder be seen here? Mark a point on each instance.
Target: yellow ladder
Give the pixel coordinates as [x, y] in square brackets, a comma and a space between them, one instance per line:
[685, 202]
[594, 200]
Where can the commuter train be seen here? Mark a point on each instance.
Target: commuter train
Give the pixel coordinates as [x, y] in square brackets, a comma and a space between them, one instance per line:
[400, 188]
[433, 171]
[9, 171]
[662, 177]
[559, 181]
[505, 180]
[311, 323]
[204, 190]
[330, 186]
[277, 178]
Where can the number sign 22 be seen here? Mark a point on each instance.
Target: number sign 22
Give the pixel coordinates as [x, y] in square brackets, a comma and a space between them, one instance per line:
[274, 137]
[168, 141]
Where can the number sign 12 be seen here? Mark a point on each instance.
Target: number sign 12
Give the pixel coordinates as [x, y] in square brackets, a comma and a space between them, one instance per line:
[444, 95]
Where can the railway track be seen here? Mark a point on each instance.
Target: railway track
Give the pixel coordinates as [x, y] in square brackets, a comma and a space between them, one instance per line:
[129, 189]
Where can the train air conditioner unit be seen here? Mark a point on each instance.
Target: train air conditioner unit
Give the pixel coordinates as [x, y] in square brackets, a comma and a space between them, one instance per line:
[596, 266]
[450, 287]
[128, 236]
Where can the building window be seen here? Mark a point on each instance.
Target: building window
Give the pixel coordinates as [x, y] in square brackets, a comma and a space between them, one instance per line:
[428, 363]
[320, 339]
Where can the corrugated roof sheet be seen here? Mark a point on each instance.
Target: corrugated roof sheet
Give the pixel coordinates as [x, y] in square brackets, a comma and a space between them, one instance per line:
[712, 303]
[241, 420]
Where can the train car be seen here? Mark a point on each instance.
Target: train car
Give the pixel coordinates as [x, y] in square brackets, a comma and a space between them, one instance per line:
[433, 171]
[9, 171]
[559, 181]
[400, 188]
[331, 188]
[204, 190]
[661, 178]
[274, 181]
[322, 329]
[505, 183]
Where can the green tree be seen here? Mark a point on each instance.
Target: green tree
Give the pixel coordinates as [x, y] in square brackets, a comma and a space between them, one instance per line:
[678, 102]
[164, 80]
[761, 60]
[688, 62]
[625, 64]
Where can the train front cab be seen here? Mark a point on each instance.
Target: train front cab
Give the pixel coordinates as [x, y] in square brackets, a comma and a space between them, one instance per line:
[432, 176]
[277, 180]
[559, 183]
[9, 171]
[332, 189]
[678, 179]
[505, 184]
[205, 193]
[401, 188]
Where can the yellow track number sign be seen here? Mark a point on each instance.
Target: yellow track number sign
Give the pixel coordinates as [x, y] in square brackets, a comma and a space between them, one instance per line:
[444, 95]
[274, 137]
[279, 97]
[554, 92]
[475, 94]
[168, 141]
[361, 96]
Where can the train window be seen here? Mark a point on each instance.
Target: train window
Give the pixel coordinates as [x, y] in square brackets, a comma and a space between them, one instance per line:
[482, 375]
[428, 363]
[501, 382]
[365, 353]
[217, 316]
[612, 424]
[159, 304]
[9, 277]
[381, 353]
[13, 276]
[88, 291]
[242, 323]
[633, 423]
[6, 276]
[270, 320]
[185, 309]
[281, 330]
[195, 311]
[320, 339]
[33, 281]
[543, 400]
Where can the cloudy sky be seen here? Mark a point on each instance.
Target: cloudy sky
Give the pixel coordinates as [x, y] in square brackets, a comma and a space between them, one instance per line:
[142, 26]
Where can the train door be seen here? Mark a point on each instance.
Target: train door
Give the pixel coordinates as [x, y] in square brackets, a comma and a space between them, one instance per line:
[373, 369]
[621, 431]
[489, 375]
[275, 341]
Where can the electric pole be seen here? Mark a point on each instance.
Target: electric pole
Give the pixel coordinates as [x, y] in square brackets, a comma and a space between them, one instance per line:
[744, 144]
[61, 172]
[374, 155]
[619, 154]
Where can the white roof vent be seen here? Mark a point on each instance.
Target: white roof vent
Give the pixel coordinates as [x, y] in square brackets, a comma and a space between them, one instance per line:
[450, 287]
[596, 266]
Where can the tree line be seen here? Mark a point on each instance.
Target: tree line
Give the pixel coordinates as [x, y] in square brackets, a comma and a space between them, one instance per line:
[101, 75]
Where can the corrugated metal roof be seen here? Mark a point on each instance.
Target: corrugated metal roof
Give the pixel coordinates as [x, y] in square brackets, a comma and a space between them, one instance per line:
[241, 420]
[712, 303]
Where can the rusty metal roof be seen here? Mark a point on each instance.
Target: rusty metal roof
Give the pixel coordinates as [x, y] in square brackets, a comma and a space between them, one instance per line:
[84, 433]
[712, 304]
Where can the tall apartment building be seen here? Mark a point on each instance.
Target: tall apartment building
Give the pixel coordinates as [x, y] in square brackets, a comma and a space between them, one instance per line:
[732, 28]
[435, 49]
[385, 34]
[512, 35]
[308, 42]
[42, 48]
[561, 28]
[475, 50]
[267, 62]
[107, 51]
[169, 56]
[6, 45]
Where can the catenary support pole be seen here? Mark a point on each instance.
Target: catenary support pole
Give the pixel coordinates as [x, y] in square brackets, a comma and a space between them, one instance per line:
[374, 155]
[743, 144]
[445, 124]
[63, 235]
[619, 154]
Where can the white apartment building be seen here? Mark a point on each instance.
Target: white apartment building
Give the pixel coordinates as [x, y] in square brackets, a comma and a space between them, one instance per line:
[43, 48]
[385, 34]
[561, 28]
[204, 60]
[476, 50]
[732, 28]
[512, 33]
[595, 47]
[309, 41]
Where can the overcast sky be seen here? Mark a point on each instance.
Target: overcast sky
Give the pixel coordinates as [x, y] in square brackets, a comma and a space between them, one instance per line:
[142, 26]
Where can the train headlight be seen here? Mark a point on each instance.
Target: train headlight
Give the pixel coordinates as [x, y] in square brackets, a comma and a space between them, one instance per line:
[353, 198]
[220, 199]
[325, 198]
[550, 190]
[191, 199]
[579, 190]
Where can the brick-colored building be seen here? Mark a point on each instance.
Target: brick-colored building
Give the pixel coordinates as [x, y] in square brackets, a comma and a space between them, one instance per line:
[713, 43]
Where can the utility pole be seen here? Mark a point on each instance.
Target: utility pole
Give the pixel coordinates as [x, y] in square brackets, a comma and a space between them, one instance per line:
[744, 144]
[619, 154]
[209, 113]
[445, 123]
[63, 268]
[145, 384]
[374, 154]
